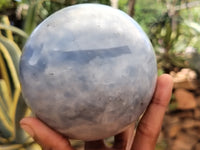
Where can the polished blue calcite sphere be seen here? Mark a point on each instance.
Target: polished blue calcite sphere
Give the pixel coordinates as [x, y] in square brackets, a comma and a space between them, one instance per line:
[88, 71]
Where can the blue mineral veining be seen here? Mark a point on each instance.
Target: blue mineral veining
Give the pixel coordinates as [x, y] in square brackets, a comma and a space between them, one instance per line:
[85, 56]
[88, 71]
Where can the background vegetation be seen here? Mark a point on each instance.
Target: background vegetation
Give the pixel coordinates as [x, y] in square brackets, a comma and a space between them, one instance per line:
[172, 26]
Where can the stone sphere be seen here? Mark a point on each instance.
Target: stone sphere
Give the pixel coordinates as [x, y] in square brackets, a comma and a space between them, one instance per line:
[88, 71]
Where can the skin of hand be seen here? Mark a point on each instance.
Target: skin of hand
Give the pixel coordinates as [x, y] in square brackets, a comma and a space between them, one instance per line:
[144, 138]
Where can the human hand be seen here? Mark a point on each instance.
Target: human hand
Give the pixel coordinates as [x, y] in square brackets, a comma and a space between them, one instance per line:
[145, 137]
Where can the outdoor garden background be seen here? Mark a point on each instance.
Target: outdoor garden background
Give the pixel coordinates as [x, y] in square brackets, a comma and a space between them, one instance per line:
[173, 27]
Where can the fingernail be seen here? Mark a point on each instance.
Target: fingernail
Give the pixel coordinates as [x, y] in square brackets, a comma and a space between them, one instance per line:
[28, 130]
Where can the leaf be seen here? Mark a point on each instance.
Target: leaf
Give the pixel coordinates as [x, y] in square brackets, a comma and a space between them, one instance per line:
[6, 21]
[13, 50]
[11, 65]
[3, 140]
[12, 105]
[31, 18]
[14, 29]
[6, 126]
[4, 99]
[193, 25]
[6, 130]
[4, 74]
[11, 147]
[34, 146]
[16, 91]
[21, 111]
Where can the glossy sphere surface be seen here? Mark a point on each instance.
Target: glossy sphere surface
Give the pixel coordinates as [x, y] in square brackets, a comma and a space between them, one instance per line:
[88, 71]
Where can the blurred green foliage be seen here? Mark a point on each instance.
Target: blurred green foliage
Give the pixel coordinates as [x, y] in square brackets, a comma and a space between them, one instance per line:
[148, 13]
[4, 3]
[174, 34]
[12, 105]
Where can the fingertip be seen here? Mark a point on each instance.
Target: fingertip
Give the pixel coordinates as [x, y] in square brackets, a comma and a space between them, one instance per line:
[26, 125]
[166, 80]
[27, 120]
[163, 89]
[165, 75]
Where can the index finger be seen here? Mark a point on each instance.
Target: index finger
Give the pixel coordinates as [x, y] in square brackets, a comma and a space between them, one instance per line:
[151, 123]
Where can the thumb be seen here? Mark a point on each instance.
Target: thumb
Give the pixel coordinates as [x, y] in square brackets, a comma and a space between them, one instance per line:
[43, 135]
